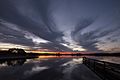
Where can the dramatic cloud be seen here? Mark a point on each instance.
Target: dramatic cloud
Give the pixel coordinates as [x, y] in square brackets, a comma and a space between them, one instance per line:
[9, 33]
[54, 47]
[61, 25]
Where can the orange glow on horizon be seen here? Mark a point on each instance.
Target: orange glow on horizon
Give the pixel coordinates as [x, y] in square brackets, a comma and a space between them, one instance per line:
[50, 52]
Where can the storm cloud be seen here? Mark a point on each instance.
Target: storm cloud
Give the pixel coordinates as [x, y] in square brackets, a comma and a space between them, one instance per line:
[61, 25]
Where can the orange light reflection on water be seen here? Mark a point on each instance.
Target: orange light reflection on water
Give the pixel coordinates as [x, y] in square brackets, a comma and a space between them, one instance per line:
[42, 57]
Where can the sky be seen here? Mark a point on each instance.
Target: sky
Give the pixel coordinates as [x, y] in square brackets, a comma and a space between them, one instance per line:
[60, 25]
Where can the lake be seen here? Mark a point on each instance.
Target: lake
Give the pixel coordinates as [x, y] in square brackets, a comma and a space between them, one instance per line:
[48, 68]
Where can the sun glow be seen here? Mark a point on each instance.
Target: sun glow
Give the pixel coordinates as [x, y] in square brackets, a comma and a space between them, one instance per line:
[6, 46]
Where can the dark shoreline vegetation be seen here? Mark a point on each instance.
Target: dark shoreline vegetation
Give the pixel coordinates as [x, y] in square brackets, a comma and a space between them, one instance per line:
[19, 56]
[23, 54]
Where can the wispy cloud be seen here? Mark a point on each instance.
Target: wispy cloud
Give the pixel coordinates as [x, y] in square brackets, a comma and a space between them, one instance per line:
[62, 25]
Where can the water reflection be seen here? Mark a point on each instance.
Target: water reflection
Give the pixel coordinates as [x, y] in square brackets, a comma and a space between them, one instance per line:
[62, 56]
[46, 68]
[13, 62]
[110, 59]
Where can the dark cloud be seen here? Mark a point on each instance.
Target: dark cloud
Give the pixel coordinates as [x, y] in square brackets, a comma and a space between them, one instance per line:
[45, 29]
[8, 35]
[54, 47]
[88, 41]
[82, 23]
[107, 32]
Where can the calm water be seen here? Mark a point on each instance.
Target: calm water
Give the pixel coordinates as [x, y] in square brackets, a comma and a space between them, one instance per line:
[108, 59]
[46, 68]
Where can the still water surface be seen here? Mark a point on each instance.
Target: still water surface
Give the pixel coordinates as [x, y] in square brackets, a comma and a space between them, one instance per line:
[47, 68]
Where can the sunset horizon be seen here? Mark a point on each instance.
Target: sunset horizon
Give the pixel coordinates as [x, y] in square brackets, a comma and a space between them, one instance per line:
[59, 39]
